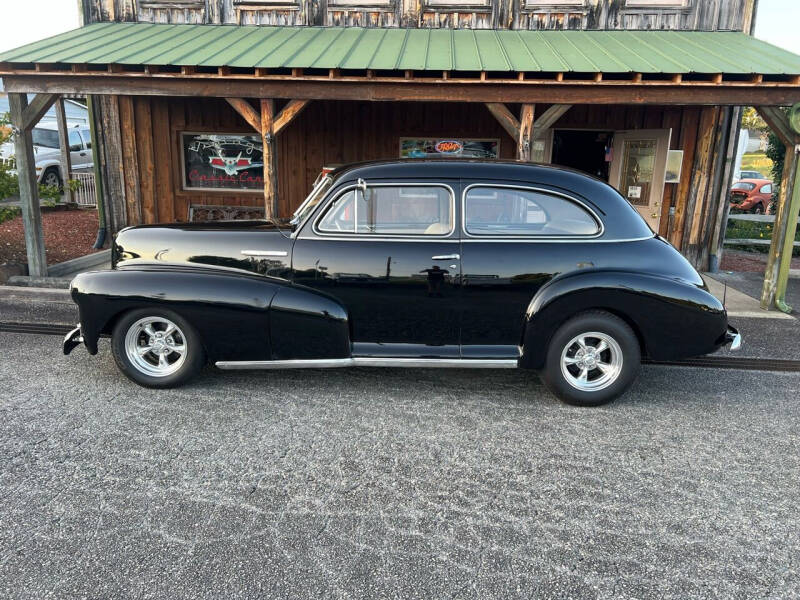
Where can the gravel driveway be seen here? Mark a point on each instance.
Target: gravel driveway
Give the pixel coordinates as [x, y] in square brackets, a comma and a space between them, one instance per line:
[392, 484]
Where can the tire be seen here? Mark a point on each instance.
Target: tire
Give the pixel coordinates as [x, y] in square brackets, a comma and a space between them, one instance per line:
[564, 364]
[758, 209]
[165, 365]
[51, 177]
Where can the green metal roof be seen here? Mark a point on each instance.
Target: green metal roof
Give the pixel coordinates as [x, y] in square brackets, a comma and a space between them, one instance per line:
[674, 52]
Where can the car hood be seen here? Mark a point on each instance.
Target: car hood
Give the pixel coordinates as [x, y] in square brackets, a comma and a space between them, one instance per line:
[8, 150]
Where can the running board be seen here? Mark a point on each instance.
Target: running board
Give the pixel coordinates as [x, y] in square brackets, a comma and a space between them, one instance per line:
[337, 363]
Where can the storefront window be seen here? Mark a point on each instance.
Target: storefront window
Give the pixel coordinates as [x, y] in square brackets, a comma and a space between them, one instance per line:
[640, 158]
[444, 147]
[222, 161]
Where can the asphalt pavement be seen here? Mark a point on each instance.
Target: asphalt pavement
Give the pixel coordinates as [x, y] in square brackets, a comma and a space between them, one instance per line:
[391, 483]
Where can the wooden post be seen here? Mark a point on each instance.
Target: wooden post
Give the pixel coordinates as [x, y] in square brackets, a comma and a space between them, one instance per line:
[267, 134]
[63, 142]
[28, 186]
[525, 129]
[780, 252]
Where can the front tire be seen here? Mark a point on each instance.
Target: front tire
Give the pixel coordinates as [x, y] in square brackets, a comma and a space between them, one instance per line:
[51, 178]
[592, 359]
[157, 348]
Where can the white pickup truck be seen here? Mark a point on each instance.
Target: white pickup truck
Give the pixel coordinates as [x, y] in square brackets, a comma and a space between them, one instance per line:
[47, 154]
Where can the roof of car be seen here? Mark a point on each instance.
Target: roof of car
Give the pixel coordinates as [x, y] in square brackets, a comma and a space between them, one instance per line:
[756, 181]
[622, 220]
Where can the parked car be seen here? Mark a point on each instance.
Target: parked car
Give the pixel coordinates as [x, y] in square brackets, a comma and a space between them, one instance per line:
[425, 263]
[47, 152]
[751, 195]
[750, 175]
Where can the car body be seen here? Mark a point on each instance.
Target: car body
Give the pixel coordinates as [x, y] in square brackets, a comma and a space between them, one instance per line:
[751, 195]
[425, 263]
[47, 153]
[751, 175]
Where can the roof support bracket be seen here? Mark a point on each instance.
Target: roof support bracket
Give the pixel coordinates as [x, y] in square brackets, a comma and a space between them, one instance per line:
[40, 104]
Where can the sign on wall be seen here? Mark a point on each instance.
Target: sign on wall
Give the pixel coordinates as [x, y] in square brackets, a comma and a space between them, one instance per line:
[222, 161]
[443, 147]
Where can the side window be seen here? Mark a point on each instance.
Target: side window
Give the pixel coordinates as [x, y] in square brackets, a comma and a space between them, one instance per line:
[391, 210]
[75, 142]
[87, 138]
[767, 189]
[511, 211]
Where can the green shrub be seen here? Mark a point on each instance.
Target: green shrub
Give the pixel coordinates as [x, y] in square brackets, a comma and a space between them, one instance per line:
[8, 212]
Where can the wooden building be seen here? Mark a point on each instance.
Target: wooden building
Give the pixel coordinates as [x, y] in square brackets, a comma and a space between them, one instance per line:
[241, 103]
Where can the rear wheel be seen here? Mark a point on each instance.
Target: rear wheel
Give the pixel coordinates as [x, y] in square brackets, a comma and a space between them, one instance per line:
[156, 348]
[592, 359]
[758, 209]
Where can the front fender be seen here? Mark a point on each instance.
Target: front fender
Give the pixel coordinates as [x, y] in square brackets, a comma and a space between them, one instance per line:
[238, 316]
[672, 318]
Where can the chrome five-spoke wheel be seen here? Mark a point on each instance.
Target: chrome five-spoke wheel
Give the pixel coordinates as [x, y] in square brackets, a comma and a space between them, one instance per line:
[591, 361]
[155, 346]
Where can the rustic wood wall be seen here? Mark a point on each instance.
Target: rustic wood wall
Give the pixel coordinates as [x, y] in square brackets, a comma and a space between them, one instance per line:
[330, 133]
[707, 15]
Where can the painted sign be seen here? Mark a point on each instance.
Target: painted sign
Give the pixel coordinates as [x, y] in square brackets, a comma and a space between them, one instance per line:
[222, 161]
[463, 148]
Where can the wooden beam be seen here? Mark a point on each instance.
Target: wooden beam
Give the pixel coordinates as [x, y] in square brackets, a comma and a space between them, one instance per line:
[778, 122]
[268, 135]
[36, 110]
[63, 144]
[525, 127]
[28, 187]
[780, 253]
[549, 118]
[417, 90]
[287, 115]
[246, 111]
[505, 118]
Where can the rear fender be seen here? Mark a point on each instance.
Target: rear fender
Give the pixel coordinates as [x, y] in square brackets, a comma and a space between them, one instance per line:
[672, 318]
[238, 317]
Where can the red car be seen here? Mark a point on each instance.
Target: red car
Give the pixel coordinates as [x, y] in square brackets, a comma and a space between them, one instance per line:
[751, 195]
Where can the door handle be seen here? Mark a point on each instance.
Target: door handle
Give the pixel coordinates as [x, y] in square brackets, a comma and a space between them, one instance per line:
[265, 253]
[446, 257]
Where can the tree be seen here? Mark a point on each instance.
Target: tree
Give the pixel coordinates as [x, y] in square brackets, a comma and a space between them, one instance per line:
[753, 121]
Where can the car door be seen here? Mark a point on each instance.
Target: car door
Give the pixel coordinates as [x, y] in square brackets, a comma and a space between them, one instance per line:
[389, 252]
[88, 156]
[513, 243]
[77, 150]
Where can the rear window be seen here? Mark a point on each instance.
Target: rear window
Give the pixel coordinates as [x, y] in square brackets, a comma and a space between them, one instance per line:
[744, 186]
[521, 212]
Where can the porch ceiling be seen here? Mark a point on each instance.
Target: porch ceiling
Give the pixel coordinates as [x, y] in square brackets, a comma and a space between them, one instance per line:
[357, 48]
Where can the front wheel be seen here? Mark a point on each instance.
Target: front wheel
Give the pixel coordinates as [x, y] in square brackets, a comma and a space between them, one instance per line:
[592, 359]
[156, 348]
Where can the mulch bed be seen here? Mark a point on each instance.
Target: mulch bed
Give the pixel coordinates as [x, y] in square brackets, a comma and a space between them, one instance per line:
[753, 262]
[67, 234]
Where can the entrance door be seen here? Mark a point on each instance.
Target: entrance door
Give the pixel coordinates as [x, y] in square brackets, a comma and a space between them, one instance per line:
[639, 169]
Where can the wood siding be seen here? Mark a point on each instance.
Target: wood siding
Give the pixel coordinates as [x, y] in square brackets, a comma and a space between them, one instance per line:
[332, 132]
[705, 15]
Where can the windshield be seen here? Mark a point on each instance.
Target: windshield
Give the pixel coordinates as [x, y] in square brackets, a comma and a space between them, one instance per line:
[310, 203]
[45, 137]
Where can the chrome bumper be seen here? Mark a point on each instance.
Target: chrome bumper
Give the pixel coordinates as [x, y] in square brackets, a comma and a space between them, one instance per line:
[73, 339]
[734, 338]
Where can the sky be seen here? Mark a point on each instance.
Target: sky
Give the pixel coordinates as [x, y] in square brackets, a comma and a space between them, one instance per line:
[26, 21]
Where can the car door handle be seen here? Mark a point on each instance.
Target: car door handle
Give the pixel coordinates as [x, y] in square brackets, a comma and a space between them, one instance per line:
[265, 253]
[446, 257]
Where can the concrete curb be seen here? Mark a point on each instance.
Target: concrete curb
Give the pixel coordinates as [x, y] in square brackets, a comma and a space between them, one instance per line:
[82, 263]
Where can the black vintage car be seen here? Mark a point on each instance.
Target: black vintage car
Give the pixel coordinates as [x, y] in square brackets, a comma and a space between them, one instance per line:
[433, 263]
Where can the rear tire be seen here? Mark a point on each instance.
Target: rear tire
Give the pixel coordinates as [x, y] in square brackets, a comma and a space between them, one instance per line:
[592, 359]
[157, 348]
[758, 209]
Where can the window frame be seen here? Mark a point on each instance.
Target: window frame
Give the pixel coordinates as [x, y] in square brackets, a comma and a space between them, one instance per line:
[354, 235]
[529, 238]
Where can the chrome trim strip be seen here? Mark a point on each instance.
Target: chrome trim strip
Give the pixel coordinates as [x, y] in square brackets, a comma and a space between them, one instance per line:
[265, 253]
[336, 363]
[446, 257]
[400, 236]
[551, 238]
[511, 240]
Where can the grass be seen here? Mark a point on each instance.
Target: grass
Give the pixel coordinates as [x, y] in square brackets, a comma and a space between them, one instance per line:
[754, 230]
[757, 161]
